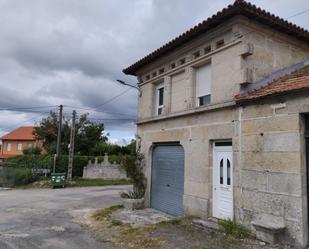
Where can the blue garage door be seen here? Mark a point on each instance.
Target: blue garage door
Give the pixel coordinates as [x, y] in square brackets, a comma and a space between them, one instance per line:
[167, 180]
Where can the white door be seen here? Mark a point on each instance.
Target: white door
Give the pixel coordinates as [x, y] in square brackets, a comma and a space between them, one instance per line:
[223, 182]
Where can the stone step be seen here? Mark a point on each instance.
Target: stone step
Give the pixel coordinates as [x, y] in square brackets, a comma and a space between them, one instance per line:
[209, 223]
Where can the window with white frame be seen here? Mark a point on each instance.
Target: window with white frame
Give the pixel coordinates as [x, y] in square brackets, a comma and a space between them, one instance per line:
[19, 147]
[8, 147]
[203, 85]
[159, 98]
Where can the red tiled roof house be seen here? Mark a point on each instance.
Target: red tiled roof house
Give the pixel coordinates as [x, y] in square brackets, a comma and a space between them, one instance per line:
[223, 123]
[16, 141]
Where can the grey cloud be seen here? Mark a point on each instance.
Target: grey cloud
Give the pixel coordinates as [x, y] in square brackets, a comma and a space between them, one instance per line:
[71, 52]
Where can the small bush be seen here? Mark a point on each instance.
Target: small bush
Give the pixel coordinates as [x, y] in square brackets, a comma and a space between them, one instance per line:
[10, 177]
[230, 227]
[135, 194]
[134, 165]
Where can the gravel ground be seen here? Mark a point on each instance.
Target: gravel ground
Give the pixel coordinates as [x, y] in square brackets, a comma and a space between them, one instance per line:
[46, 218]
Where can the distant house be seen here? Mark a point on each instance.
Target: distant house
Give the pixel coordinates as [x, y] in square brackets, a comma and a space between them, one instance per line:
[16, 141]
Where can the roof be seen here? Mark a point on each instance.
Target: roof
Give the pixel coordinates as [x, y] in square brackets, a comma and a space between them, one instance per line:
[21, 133]
[297, 80]
[239, 7]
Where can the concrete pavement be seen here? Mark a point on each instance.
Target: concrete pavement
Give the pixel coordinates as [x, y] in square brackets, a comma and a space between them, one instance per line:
[42, 218]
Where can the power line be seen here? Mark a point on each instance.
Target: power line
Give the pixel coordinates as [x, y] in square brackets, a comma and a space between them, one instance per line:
[104, 103]
[298, 14]
[25, 108]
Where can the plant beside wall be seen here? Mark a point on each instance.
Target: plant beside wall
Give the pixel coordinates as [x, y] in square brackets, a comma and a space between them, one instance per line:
[11, 177]
[134, 165]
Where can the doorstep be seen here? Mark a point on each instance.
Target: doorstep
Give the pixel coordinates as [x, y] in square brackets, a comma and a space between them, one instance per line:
[209, 223]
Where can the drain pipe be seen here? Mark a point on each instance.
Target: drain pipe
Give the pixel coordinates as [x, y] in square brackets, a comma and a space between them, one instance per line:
[240, 163]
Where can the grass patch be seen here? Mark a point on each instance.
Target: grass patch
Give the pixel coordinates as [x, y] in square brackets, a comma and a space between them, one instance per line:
[116, 223]
[172, 222]
[137, 238]
[230, 227]
[102, 214]
[79, 182]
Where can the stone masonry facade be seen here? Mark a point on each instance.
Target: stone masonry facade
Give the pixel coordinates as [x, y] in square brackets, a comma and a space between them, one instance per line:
[269, 164]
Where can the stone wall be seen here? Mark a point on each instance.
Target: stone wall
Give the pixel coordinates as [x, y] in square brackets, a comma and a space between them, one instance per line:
[270, 172]
[268, 146]
[104, 170]
[268, 157]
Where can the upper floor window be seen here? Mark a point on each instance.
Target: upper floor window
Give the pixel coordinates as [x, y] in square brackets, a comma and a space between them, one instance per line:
[172, 65]
[203, 85]
[207, 49]
[220, 43]
[19, 147]
[159, 99]
[8, 147]
[182, 61]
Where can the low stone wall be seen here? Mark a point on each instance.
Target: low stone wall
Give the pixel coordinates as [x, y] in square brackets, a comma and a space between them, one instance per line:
[104, 170]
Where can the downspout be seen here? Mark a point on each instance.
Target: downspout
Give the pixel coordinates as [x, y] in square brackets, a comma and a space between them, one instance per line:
[240, 163]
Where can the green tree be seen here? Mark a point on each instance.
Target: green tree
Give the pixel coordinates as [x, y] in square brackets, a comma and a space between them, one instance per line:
[88, 134]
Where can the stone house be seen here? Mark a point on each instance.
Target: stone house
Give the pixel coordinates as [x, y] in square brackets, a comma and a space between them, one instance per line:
[222, 122]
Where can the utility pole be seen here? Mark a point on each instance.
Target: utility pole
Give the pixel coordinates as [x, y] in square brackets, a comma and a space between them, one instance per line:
[58, 138]
[71, 150]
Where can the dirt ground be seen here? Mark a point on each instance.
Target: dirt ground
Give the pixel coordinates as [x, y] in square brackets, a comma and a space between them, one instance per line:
[171, 234]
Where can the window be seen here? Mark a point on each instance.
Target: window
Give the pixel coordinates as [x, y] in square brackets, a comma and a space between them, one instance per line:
[154, 74]
[30, 146]
[161, 71]
[203, 84]
[8, 147]
[221, 171]
[19, 147]
[147, 77]
[182, 61]
[159, 99]
[228, 172]
[196, 54]
[220, 43]
[207, 49]
[173, 65]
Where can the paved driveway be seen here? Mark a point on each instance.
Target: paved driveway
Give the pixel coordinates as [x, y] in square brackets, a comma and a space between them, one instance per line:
[42, 218]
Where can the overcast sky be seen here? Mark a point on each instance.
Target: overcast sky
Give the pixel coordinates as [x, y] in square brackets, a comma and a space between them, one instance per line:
[70, 52]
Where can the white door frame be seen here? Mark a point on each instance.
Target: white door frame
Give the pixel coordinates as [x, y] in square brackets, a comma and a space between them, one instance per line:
[215, 192]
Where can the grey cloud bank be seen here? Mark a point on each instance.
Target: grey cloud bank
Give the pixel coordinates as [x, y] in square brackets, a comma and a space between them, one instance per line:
[71, 52]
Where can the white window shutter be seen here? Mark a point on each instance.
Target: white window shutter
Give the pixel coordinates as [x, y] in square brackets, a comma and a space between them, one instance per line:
[203, 80]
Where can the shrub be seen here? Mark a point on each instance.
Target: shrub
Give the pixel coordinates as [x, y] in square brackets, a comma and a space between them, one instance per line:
[230, 227]
[10, 177]
[134, 167]
[32, 151]
[46, 162]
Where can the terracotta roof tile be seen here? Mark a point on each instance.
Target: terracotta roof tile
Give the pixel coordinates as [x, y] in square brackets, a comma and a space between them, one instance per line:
[239, 7]
[21, 133]
[295, 81]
